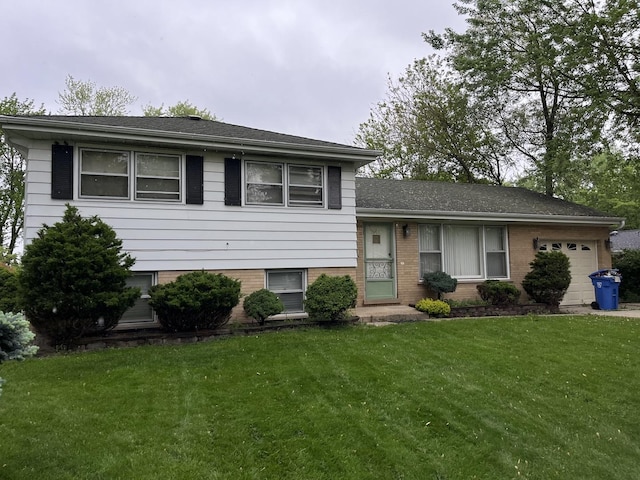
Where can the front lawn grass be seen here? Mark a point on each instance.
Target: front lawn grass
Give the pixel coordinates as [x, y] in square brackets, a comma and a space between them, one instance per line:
[530, 397]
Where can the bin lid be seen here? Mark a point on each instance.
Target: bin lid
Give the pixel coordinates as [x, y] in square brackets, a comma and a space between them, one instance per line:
[605, 272]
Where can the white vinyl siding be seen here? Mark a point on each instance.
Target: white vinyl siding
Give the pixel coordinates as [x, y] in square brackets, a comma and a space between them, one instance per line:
[463, 251]
[165, 236]
[289, 286]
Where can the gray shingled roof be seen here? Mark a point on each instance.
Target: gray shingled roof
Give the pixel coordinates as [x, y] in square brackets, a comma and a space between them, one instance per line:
[421, 197]
[625, 240]
[193, 126]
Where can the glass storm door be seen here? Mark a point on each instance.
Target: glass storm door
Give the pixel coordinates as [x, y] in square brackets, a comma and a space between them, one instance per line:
[379, 261]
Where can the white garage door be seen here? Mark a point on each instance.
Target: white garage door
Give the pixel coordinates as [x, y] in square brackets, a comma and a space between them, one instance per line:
[583, 258]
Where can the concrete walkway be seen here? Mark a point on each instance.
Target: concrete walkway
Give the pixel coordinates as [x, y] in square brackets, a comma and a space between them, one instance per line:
[629, 310]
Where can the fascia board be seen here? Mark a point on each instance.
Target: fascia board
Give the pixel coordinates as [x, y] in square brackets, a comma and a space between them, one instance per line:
[487, 217]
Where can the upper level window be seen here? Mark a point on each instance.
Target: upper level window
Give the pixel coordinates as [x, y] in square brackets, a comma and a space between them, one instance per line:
[284, 184]
[110, 173]
[104, 173]
[305, 186]
[157, 176]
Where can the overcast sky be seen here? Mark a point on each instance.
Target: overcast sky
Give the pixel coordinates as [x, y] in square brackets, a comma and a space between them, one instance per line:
[305, 67]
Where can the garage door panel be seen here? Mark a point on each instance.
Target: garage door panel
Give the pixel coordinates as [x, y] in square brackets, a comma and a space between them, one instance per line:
[583, 261]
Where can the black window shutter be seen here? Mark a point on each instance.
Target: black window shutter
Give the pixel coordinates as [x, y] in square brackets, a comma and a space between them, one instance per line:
[62, 172]
[195, 180]
[232, 182]
[334, 195]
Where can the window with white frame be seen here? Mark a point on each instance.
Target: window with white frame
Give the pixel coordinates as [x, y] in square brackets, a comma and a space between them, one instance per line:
[289, 286]
[284, 184]
[110, 173]
[157, 176]
[141, 310]
[104, 173]
[463, 251]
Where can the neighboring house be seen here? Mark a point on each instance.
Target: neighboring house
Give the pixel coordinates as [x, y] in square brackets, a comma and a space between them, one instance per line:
[275, 211]
[624, 240]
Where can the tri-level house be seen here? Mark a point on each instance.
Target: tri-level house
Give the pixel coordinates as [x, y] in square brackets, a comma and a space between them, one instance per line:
[275, 211]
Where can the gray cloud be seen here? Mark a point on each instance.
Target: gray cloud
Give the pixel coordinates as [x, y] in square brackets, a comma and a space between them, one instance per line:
[312, 68]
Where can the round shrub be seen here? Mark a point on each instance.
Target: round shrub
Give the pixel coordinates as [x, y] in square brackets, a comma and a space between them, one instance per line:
[498, 293]
[15, 339]
[330, 297]
[549, 278]
[436, 308]
[261, 304]
[196, 300]
[73, 278]
[439, 283]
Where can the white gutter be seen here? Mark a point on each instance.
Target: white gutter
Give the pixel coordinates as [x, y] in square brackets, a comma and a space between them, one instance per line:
[485, 216]
[72, 130]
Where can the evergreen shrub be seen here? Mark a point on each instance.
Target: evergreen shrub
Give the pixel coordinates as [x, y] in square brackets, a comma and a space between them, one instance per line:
[15, 339]
[329, 298]
[628, 264]
[497, 292]
[261, 304]
[439, 283]
[9, 290]
[549, 278]
[73, 278]
[436, 308]
[194, 301]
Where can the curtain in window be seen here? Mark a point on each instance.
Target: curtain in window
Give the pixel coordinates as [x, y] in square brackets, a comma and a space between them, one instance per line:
[430, 251]
[462, 244]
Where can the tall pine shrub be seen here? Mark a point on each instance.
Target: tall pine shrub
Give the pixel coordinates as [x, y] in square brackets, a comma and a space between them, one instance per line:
[73, 278]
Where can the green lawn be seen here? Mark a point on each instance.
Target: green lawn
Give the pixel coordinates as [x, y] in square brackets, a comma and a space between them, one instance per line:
[531, 397]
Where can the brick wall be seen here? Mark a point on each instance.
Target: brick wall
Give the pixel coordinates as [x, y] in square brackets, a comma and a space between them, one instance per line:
[521, 253]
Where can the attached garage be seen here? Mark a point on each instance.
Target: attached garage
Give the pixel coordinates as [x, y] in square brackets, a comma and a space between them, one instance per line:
[583, 258]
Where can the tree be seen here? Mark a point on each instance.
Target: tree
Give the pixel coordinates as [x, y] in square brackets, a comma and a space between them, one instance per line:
[511, 56]
[85, 98]
[611, 185]
[430, 127]
[12, 165]
[601, 41]
[73, 278]
[180, 109]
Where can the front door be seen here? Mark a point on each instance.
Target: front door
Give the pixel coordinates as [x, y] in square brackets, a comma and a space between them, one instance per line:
[379, 261]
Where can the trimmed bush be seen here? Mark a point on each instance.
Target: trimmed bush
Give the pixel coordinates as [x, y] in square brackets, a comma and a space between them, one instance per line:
[73, 278]
[194, 301]
[9, 290]
[330, 297]
[436, 308]
[15, 339]
[498, 293]
[439, 283]
[549, 278]
[628, 265]
[261, 304]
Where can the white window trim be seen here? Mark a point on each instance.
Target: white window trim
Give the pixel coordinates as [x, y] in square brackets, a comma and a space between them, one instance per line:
[131, 175]
[179, 178]
[303, 290]
[286, 184]
[483, 267]
[82, 173]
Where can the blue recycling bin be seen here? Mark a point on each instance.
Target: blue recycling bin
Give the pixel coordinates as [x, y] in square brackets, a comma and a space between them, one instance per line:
[606, 284]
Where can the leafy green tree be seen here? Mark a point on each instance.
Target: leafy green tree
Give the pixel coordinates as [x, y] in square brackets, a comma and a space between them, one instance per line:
[611, 184]
[510, 56]
[180, 109]
[73, 278]
[430, 127]
[12, 165]
[85, 98]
